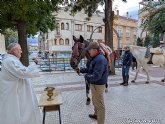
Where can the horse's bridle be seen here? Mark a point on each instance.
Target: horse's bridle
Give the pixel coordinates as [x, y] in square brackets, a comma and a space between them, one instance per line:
[77, 58]
[80, 55]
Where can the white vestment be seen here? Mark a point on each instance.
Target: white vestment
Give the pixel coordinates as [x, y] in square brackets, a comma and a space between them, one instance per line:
[18, 102]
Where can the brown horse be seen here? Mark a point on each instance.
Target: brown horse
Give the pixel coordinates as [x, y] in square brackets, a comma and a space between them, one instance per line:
[78, 53]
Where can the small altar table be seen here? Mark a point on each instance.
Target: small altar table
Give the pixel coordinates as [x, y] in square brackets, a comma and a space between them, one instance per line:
[53, 105]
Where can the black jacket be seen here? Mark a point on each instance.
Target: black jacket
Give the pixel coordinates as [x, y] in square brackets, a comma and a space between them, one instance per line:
[127, 59]
[97, 73]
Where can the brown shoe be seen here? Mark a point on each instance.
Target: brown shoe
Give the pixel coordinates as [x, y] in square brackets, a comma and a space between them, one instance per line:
[93, 116]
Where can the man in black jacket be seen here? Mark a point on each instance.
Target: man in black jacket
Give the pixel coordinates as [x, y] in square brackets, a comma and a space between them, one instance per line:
[97, 76]
[127, 59]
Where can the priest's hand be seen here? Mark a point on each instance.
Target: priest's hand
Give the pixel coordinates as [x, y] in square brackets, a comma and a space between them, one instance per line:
[36, 60]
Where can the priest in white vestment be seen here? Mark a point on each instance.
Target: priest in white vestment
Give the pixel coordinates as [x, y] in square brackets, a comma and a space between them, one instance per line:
[18, 102]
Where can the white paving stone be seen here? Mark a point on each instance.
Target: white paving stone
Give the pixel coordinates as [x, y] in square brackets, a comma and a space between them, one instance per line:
[135, 104]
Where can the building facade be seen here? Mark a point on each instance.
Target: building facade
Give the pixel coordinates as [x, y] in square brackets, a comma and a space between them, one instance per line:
[61, 41]
[127, 31]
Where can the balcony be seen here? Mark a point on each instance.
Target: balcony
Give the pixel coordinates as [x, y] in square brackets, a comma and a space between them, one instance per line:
[127, 34]
[57, 34]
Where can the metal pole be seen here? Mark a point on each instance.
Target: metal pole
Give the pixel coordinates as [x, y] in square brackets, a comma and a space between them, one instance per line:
[118, 45]
[93, 32]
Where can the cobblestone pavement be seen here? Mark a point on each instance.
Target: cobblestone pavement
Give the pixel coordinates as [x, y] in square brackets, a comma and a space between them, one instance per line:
[139, 103]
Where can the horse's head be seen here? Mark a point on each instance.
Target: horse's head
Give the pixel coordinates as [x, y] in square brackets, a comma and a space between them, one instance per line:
[78, 51]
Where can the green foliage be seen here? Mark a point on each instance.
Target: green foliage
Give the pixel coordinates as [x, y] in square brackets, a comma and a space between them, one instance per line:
[154, 21]
[37, 15]
[89, 6]
[156, 41]
[139, 41]
[27, 17]
[147, 41]
[10, 36]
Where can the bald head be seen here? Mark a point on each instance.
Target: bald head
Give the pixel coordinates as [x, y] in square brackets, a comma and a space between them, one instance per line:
[14, 49]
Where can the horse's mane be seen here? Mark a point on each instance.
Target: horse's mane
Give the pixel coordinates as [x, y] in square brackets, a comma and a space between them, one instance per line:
[81, 39]
[86, 43]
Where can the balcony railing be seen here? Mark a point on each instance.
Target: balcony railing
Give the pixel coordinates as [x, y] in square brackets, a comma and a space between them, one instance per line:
[57, 33]
[57, 64]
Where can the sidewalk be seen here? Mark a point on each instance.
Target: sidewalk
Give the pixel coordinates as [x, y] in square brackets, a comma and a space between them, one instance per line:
[138, 103]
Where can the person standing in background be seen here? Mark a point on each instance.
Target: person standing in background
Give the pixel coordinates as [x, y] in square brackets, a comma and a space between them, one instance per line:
[127, 60]
[115, 57]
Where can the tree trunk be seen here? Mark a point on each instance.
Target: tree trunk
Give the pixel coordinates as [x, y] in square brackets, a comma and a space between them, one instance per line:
[22, 40]
[109, 29]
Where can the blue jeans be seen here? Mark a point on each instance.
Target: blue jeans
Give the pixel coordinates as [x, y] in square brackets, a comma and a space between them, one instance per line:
[125, 70]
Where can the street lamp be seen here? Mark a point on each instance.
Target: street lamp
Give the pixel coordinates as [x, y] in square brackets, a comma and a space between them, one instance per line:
[94, 31]
[101, 27]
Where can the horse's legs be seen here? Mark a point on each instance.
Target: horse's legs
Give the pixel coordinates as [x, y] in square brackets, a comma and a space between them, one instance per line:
[163, 79]
[137, 71]
[164, 75]
[148, 78]
[87, 93]
[106, 87]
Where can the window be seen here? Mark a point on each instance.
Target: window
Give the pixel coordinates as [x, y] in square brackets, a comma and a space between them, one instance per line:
[66, 41]
[62, 26]
[61, 42]
[89, 28]
[127, 41]
[78, 27]
[67, 26]
[58, 29]
[127, 31]
[55, 42]
[100, 30]
[119, 30]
